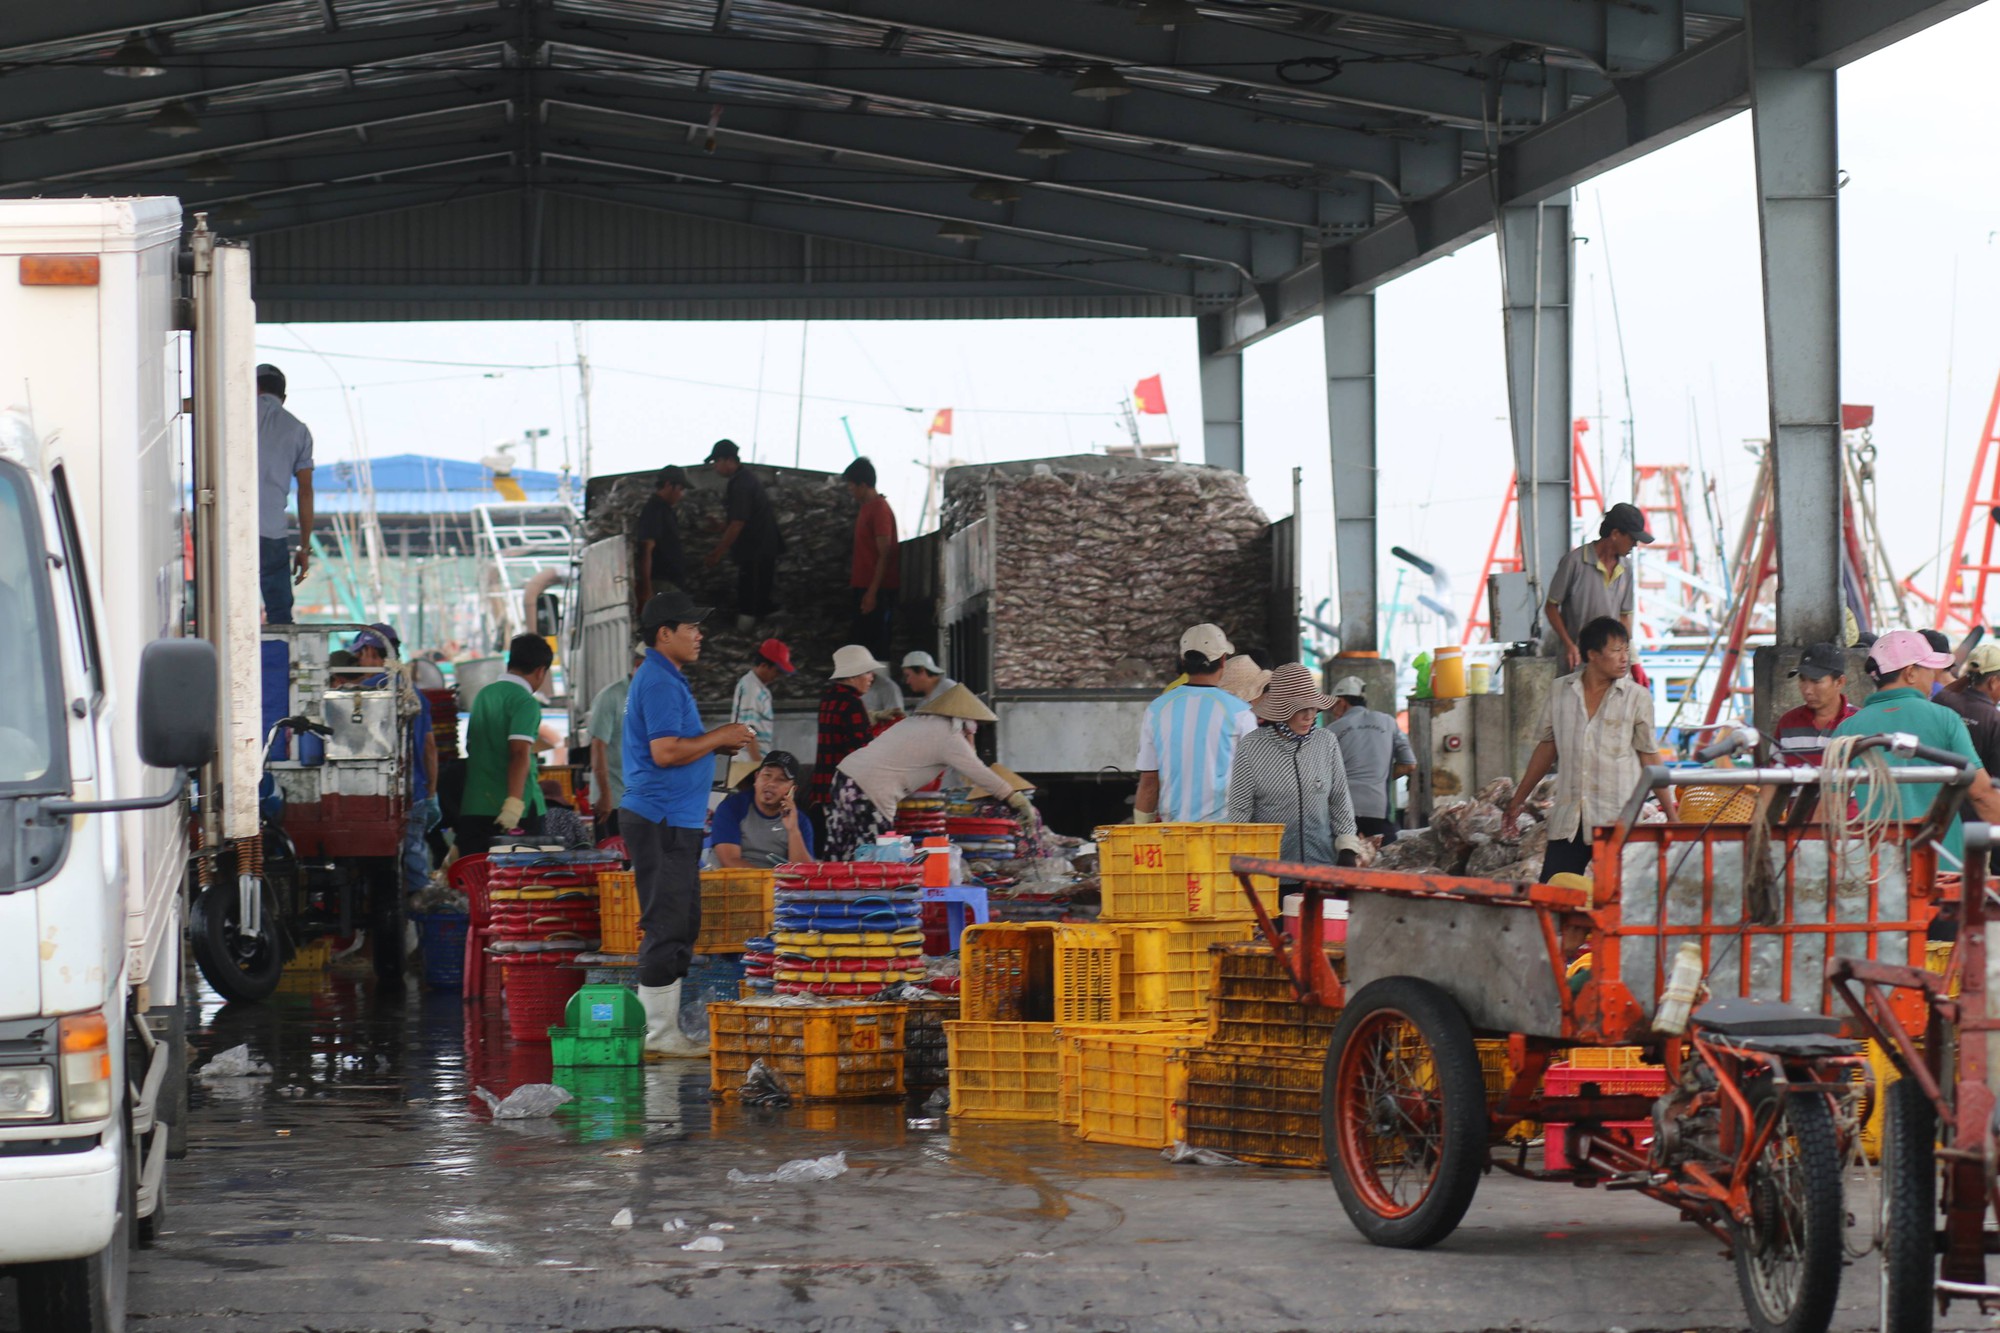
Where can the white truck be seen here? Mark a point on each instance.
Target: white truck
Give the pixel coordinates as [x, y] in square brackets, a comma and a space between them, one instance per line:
[128, 726]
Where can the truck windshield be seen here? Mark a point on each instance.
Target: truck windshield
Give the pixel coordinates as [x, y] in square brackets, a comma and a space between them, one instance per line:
[29, 703]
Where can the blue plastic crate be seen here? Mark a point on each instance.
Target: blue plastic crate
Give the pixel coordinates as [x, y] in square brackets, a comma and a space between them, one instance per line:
[442, 935]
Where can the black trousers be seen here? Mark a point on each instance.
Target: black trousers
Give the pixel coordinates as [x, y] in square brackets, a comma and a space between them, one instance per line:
[1569, 856]
[1368, 826]
[871, 629]
[477, 833]
[756, 584]
[666, 862]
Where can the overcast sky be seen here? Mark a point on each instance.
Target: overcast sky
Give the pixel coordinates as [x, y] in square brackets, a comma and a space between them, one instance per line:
[1675, 233]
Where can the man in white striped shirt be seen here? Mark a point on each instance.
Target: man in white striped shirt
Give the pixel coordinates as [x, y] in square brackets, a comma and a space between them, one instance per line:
[1188, 738]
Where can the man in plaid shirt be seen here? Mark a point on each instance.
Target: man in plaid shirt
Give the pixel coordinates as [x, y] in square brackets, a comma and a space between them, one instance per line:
[843, 723]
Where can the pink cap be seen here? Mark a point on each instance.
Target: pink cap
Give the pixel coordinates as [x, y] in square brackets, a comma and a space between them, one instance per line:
[1901, 648]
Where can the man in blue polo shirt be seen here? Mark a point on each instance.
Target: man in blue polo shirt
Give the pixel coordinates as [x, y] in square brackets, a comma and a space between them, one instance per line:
[669, 768]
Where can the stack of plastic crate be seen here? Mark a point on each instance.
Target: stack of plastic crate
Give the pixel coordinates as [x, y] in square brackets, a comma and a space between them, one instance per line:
[847, 929]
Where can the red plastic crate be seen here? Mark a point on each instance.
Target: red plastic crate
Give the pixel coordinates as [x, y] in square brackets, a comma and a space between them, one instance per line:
[1568, 1081]
[1555, 1139]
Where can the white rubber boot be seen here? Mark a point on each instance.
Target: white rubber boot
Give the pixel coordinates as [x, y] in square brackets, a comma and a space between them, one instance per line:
[664, 1038]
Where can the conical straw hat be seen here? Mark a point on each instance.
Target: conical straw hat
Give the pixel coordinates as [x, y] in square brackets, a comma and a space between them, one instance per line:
[959, 702]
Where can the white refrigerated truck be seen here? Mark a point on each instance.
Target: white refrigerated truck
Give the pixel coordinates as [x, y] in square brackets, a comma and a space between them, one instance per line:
[128, 710]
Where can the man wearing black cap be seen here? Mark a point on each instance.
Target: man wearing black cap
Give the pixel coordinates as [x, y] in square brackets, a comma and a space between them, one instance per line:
[669, 768]
[1803, 731]
[660, 561]
[1594, 580]
[760, 824]
[284, 453]
[751, 536]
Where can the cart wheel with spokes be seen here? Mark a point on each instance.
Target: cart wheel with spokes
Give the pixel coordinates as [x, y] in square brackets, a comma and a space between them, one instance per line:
[1909, 1209]
[1788, 1256]
[1403, 1113]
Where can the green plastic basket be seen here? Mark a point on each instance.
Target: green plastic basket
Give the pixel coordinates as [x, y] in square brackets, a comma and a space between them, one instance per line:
[606, 1026]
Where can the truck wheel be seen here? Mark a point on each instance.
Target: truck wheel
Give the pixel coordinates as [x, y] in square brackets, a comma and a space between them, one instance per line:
[239, 966]
[84, 1295]
[1403, 1113]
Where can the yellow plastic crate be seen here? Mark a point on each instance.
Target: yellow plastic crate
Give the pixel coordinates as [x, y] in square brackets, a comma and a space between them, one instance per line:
[1007, 972]
[1086, 974]
[618, 911]
[1606, 1057]
[1131, 1089]
[835, 1051]
[1180, 872]
[1069, 1061]
[736, 905]
[1251, 1002]
[1163, 966]
[1256, 1106]
[1003, 1071]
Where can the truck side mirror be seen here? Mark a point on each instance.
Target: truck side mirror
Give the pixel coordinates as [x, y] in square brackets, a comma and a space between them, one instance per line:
[177, 697]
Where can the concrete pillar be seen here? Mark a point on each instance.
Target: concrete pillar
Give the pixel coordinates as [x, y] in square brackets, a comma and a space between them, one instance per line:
[1222, 408]
[1348, 324]
[1535, 264]
[1794, 125]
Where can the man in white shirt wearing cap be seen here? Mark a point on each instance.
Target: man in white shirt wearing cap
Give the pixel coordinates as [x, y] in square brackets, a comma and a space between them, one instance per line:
[1374, 751]
[923, 677]
[1188, 738]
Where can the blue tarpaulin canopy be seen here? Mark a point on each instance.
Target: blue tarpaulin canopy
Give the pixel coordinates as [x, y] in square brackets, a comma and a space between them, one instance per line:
[416, 484]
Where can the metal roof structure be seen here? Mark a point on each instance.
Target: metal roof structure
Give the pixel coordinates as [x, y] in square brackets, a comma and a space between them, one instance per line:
[1230, 159]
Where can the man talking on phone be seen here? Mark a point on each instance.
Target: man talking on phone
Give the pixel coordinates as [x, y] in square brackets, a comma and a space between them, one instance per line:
[759, 824]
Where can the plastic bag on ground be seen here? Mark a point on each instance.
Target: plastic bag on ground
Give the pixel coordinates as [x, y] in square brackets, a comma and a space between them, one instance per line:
[236, 1062]
[804, 1171]
[1180, 1154]
[705, 1245]
[528, 1102]
[623, 1218]
[938, 1102]
[765, 1086]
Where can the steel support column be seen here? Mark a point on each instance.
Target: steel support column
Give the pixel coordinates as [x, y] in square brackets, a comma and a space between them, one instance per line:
[1793, 118]
[1348, 324]
[1221, 404]
[1535, 293]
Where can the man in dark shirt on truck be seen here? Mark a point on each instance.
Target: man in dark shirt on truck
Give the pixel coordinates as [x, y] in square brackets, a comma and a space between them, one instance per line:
[750, 536]
[660, 562]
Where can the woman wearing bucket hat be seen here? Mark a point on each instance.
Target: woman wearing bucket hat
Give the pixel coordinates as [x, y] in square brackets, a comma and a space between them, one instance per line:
[909, 756]
[1289, 771]
[843, 722]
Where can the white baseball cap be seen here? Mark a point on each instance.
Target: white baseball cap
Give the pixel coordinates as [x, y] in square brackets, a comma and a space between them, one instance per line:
[1349, 687]
[917, 657]
[1208, 640]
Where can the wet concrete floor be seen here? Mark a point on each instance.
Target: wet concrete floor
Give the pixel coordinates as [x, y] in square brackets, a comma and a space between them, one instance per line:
[364, 1188]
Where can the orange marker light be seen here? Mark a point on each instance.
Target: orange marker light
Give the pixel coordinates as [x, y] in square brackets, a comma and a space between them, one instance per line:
[58, 270]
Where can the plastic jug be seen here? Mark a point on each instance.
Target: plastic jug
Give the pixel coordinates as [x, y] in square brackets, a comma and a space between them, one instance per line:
[1448, 672]
[1479, 678]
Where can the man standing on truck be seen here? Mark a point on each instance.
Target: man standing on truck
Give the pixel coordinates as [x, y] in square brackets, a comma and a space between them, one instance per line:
[669, 768]
[1187, 739]
[1375, 752]
[750, 536]
[607, 746]
[876, 578]
[284, 454]
[376, 648]
[660, 562]
[502, 778]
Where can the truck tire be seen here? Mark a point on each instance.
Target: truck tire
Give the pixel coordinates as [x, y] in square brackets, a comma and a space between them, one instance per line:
[84, 1295]
[239, 967]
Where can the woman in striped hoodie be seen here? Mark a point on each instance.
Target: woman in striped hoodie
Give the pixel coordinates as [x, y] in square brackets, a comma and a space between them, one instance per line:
[1288, 771]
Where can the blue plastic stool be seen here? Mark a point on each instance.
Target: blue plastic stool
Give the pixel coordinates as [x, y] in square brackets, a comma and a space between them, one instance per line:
[958, 900]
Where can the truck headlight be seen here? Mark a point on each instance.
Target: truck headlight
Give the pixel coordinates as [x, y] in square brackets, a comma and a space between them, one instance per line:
[86, 1067]
[27, 1092]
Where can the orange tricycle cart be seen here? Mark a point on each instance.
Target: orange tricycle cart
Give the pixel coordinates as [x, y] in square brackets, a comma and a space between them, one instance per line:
[1762, 1084]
